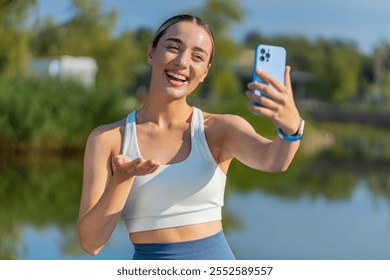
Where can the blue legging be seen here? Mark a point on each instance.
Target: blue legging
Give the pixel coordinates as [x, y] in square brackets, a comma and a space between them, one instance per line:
[214, 247]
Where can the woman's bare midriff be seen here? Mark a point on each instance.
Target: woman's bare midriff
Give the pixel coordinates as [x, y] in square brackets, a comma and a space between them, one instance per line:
[176, 234]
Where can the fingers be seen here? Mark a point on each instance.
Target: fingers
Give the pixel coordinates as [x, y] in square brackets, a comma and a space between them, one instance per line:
[259, 110]
[137, 167]
[268, 93]
[265, 101]
[278, 104]
[270, 80]
[274, 93]
[121, 159]
[274, 87]
[287, 77]
[146, 167]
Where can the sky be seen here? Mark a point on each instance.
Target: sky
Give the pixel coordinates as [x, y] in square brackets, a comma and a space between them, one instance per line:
[365, 22]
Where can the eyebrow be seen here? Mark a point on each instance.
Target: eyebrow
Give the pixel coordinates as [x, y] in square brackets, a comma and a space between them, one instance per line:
[179, 41]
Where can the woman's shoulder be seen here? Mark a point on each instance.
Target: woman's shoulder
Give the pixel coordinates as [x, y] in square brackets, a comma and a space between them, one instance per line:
[107, 133]
[223, 121]
[109, 128]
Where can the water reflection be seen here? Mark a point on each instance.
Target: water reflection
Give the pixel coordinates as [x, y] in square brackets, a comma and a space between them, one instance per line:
[357, 228]
[319, 208]
[38, 191]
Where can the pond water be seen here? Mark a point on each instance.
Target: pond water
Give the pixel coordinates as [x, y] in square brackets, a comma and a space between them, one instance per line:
[312, 211]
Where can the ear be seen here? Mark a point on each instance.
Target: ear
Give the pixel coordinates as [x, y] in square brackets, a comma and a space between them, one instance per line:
[205, 73]
[149, 55]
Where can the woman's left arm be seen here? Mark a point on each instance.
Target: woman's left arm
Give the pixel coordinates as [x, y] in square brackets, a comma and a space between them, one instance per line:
[253, 149]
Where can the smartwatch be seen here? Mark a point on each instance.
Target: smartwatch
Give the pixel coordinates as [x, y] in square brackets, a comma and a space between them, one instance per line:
[297, 136]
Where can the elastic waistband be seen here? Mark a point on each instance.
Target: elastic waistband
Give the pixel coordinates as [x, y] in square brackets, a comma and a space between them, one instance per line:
[211, 247]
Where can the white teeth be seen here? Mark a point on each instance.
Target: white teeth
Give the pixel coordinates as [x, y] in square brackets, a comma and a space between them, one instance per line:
[177, 76]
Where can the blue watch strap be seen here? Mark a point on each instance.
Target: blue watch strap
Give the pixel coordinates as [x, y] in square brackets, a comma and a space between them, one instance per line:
[295, 137]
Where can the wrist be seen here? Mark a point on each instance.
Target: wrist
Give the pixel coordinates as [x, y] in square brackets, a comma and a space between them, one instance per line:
[120, 177]
[293, 127]
[295, 136]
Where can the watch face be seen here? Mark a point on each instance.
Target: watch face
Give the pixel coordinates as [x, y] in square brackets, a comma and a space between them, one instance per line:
[301, 127]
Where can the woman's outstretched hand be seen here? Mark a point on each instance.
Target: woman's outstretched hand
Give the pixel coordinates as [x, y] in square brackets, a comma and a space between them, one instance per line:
[125, 167]
[279, 105]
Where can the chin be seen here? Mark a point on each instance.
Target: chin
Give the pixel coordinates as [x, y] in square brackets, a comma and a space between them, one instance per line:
[177, 94]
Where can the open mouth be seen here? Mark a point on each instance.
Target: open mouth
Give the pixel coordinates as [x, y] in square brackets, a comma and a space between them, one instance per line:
[176, 77]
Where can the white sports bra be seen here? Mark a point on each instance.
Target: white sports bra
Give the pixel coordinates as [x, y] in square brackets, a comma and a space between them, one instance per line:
[183, 193]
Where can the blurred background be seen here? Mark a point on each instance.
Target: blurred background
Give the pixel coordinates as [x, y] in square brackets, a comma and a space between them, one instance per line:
[69, 66]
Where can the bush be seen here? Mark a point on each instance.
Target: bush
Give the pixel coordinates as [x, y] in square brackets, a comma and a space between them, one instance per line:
[48, 114]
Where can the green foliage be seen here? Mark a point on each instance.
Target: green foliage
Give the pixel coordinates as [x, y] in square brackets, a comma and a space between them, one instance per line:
[222, 83]
[48, 114]
[90, 33]
[46, 38]
[220, 14]
[336, 66]
[338, 70]
[39, 191]
[341, 73]
[380, 88]
[358, 142]
[305, 177]
[120, 62]
[14, 38]
[339, 66]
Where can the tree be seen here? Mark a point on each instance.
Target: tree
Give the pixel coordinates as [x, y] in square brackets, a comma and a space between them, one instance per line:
[338, 67]
[46, 37]
[14, 37]
[89, 32]
[220, 15]
[381, 71]
[253, 38]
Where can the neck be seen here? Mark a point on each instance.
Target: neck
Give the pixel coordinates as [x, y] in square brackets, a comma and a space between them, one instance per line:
[164, 113]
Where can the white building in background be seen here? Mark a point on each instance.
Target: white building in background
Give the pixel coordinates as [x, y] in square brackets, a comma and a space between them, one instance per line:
[78, 69]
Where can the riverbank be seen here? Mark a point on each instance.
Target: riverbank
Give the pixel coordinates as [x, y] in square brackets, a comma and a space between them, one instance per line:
[341, 113]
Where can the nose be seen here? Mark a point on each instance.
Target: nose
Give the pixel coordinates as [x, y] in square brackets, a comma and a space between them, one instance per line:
[182, 59]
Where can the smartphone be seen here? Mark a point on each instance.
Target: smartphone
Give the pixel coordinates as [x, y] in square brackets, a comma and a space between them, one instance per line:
[271, 59]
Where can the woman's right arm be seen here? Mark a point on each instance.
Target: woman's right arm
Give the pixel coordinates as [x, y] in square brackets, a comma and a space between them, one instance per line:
[107, 181]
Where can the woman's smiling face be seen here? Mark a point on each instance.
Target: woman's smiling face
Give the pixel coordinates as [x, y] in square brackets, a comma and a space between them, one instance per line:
[180, 60]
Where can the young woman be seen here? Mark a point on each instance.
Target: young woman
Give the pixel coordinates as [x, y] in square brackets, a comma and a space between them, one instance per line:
[163, 168]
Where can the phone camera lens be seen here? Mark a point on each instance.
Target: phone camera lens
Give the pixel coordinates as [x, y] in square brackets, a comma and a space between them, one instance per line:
[262, 58]
[267, 55]
[262, 51]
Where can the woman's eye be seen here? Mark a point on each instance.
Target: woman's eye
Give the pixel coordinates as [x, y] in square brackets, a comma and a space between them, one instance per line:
[173, 48]
[198, 57]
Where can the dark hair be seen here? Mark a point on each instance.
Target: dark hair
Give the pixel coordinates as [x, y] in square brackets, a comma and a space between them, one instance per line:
[179, 18]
